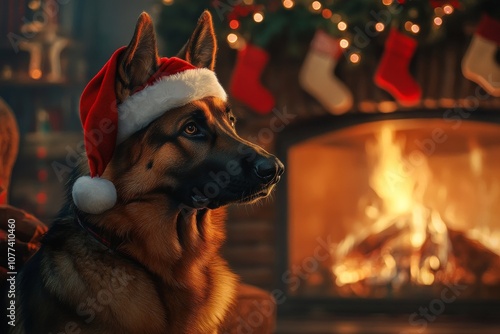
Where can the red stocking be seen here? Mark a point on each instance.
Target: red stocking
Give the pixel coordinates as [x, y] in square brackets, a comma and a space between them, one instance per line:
[245, 84]
[393, 74]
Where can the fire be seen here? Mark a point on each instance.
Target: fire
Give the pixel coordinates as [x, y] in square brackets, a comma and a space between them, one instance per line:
[488, 192]
[390, 178]
[408, 241]
[408, 206]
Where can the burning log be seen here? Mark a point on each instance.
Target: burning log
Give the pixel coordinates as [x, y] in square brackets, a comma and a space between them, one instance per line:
[388, 260]
[475, 258]
[363, 244]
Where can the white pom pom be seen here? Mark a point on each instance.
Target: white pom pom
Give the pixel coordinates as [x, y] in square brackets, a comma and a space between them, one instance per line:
[94, 195]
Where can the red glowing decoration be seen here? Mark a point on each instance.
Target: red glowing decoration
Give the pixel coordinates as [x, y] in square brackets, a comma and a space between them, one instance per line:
[441, 3]
[41, 197]
[234, 24]
[41, 152]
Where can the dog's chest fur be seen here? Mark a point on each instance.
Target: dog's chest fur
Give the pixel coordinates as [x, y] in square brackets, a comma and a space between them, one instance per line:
[105, 292]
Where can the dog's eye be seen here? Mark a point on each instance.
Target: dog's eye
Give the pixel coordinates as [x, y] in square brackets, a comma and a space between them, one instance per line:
[191, 129]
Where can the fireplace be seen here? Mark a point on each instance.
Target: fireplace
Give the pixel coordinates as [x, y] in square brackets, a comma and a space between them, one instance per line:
[386, 212]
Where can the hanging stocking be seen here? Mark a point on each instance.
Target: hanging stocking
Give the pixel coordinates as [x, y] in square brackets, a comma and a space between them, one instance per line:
[316, 75]
[245, 83]
[442, 3]
[393, 73]
[479, 64]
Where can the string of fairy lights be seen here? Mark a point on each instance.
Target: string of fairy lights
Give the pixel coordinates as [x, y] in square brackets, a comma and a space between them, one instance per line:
[236, 41]
[338, 20]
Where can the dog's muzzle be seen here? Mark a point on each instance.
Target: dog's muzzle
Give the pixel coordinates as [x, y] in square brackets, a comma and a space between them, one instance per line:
[255, 182]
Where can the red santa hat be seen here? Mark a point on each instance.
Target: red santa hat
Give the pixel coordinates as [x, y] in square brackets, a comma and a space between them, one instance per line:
[106, 124]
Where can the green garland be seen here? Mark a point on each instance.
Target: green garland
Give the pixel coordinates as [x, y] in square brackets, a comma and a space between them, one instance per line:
[298, 23]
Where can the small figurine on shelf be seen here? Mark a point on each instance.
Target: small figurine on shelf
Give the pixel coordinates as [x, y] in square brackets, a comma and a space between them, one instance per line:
[45, 47]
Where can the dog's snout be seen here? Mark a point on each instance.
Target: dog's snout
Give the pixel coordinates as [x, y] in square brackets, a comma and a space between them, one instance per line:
[268, 169]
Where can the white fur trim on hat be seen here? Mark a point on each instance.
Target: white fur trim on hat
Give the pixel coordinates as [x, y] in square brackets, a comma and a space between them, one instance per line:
[176, 90]
[93, 194]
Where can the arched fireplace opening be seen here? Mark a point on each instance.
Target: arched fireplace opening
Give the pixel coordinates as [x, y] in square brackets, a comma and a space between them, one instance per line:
[381, 212]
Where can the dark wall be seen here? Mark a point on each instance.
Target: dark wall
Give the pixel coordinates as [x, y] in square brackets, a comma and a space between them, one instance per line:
[108, 25]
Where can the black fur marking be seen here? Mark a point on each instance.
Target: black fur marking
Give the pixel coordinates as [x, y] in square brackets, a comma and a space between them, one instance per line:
[180, 228]
[199, 115]
[200, 216]
[158, 138]
[33, 289]
[149, 165]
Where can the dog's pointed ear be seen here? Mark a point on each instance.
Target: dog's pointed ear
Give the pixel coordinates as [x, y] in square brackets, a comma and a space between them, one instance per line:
[140, 59]
[201, 48]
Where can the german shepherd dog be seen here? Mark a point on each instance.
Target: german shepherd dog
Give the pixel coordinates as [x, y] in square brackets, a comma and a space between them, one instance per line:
[151, 263]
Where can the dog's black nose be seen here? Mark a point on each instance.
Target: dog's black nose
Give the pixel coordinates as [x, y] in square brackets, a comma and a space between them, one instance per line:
[268, 169]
